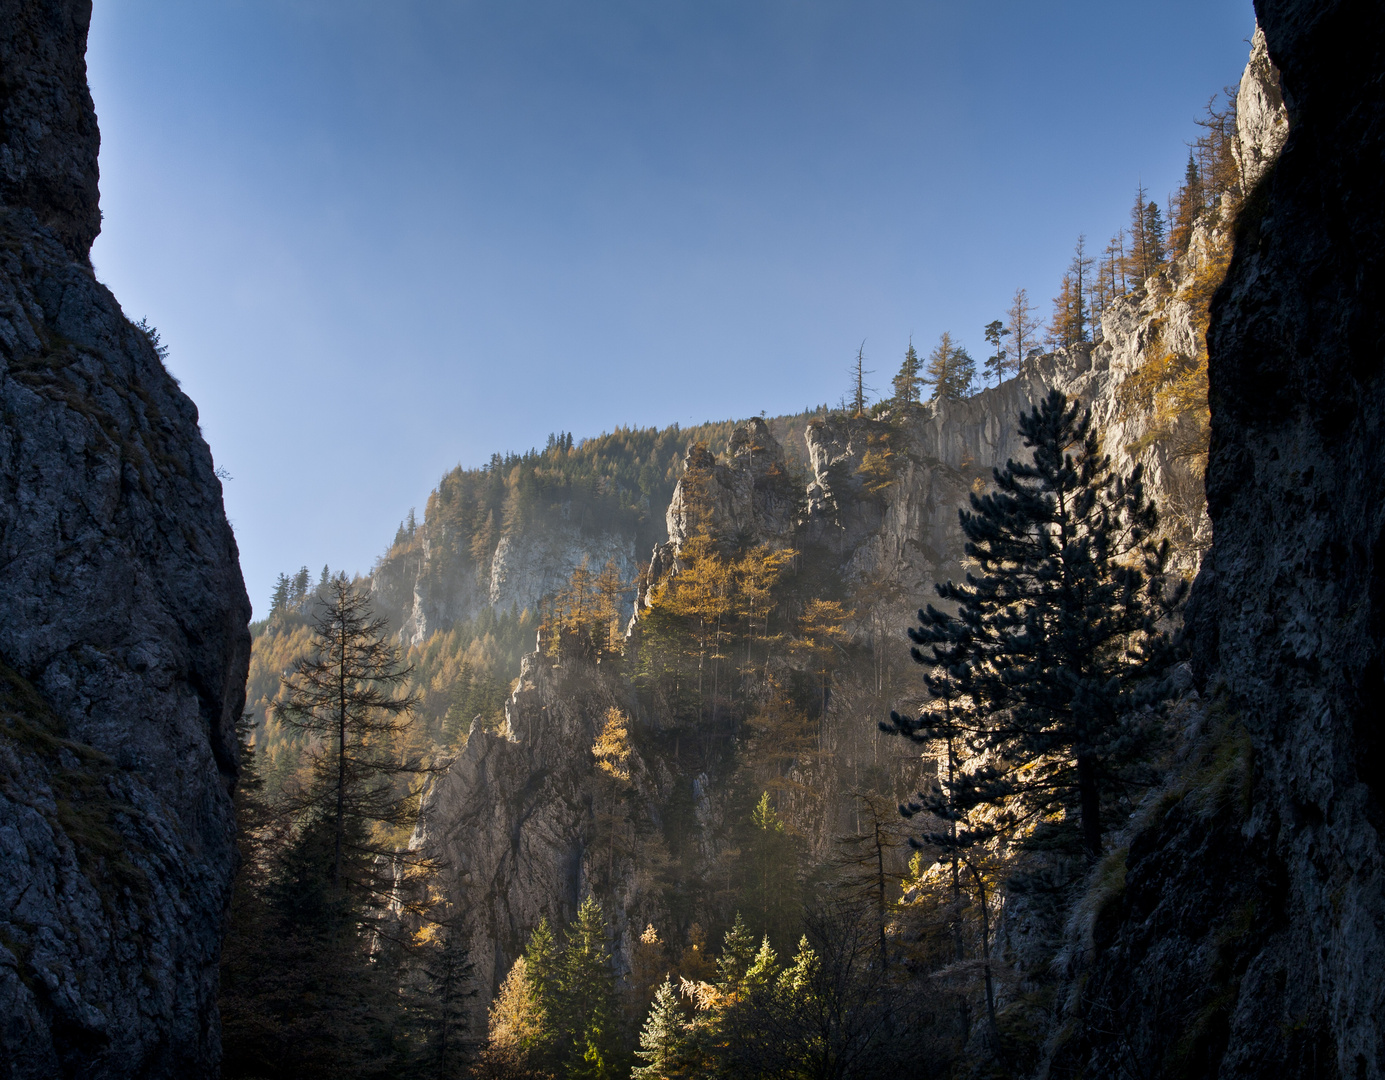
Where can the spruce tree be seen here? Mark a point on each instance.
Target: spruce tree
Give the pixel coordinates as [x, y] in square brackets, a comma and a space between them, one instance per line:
[1191, 202]
[342, 697]
[769, 874]
[543, 1040]
[1156, 253]
[664, 1039]
[951, 370]
[737, 952]
[908, 383]
[279, 599]
[1057, 626]
[588, 1014]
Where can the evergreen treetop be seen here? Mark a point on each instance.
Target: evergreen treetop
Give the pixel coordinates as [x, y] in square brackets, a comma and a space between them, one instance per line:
[908, 383]
[1057, 626]
[996, 363]
[951, 371]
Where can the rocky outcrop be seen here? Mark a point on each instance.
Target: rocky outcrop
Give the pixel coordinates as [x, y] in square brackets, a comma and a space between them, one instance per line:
[123, 627]
[517, 817]
[747, 497]
[48, 134]
[427, 586]
[527, 568]
[1288, 614]
[1262, 123]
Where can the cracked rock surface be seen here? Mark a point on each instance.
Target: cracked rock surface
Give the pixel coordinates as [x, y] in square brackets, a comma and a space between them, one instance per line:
[123, 626]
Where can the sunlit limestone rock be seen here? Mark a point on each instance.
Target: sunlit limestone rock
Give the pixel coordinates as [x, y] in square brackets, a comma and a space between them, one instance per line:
[514, 817]
[434, 582]
[1262, 123]
[748, 497]
[123, 626]
[527, 568]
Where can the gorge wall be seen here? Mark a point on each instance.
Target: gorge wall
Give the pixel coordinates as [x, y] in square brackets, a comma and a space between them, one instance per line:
[1248, 938]
[123, 625]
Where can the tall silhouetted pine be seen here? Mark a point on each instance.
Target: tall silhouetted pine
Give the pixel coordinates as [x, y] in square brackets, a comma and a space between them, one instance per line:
[1057, 626]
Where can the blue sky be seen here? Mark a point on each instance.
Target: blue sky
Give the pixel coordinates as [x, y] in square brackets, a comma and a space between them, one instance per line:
[382, 238]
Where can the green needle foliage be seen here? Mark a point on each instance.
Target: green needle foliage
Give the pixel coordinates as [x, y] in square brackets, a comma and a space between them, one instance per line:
[1054, 632]
[664, 1039]
[342, 696]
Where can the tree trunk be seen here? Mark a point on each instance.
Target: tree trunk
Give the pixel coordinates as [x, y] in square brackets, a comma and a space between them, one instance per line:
[341, 762]
[1089, 797]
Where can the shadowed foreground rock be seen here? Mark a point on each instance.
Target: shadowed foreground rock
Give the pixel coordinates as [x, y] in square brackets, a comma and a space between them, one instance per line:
[1249, 938]
[123, 637]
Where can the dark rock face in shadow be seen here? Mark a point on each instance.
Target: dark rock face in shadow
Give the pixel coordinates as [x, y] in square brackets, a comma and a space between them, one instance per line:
[48, 134]
[1249, 937]
[123, 626]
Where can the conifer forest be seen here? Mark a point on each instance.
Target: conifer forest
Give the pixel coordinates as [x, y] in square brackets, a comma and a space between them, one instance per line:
[1014, 713]
[816, 788]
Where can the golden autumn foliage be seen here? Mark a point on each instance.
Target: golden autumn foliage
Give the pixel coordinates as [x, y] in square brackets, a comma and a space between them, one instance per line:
[1174, 386]
[612, 746]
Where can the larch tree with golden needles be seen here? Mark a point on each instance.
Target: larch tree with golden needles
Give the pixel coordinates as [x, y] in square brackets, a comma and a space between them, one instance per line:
[823, 636]
[1024, 329]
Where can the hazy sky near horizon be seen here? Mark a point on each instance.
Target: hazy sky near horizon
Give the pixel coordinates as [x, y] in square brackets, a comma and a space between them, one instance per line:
[381, 239]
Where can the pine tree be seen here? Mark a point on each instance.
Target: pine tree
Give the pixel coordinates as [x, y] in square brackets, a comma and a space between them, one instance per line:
[1056, 629]
[908, 383]
[950, 371]
[995, 363]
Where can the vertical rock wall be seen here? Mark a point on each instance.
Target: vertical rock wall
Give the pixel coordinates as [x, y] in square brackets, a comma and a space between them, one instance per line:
[1247, 935]
[1294, 602]
[123, 626]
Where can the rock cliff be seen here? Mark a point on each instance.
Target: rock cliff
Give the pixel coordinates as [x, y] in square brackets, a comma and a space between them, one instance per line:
[1255, 923]
[123, 626]
[519, 817]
